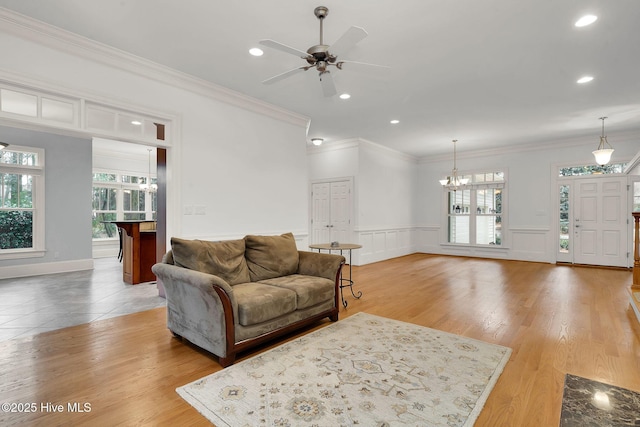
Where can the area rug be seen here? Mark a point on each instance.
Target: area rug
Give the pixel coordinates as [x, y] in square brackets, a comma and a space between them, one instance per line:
[587, 402]
[364, 370]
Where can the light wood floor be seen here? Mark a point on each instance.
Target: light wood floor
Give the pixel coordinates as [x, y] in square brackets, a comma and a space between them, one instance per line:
[557, 320]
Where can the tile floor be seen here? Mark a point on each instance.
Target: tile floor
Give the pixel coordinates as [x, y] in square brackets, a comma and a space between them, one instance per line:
[31, 305]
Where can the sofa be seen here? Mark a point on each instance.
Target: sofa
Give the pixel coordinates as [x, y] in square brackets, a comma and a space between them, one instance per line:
[229, 296]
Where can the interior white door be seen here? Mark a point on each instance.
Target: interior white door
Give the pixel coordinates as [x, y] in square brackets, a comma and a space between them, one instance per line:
[331, 207]
[600, 221]
[320, 212]
[340, 212]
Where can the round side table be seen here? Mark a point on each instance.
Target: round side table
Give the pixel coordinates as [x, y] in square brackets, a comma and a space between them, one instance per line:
[344, 283]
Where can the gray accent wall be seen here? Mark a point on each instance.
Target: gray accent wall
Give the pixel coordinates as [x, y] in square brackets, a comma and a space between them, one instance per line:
[68, 175]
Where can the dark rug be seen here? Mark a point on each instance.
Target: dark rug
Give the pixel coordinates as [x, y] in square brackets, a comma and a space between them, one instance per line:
[588, 403]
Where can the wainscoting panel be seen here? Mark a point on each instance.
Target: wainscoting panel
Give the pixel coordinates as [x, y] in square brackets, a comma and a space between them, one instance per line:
[428, 239]
[530, 244]
[525, 244]
[381, 244]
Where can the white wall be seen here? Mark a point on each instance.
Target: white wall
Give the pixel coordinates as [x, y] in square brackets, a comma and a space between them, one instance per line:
[388, 183]
[243, 165]
[531, 202]
[385, 183]
[240, 162]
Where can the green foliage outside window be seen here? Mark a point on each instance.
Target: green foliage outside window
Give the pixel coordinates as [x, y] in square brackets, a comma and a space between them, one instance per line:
[16, 229]
[592, 169]
[16, 218]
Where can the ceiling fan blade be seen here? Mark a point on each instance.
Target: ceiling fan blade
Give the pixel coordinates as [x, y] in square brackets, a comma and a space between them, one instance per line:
[284, 48]
[328, 86]
[339, 64]
[284, 75]
[348, 40]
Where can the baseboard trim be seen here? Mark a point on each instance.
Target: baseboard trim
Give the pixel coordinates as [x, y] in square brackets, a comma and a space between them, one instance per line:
[14, 271]
[634, 302]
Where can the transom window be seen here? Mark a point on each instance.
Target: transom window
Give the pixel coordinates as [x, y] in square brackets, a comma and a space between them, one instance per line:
[475, 213]
[591, 169]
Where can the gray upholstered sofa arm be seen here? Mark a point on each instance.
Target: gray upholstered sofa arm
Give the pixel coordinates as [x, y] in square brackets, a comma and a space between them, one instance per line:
[198, 306]
[319, 264]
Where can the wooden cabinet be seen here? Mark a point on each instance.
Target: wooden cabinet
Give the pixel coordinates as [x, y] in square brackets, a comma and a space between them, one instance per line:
[138, 250]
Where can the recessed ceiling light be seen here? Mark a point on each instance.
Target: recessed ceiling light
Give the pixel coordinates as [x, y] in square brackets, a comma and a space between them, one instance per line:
[394, 121]
[136, 122]
[585, 79]
[586, 20]
[256, 51]
[345, 96]
[317, 141]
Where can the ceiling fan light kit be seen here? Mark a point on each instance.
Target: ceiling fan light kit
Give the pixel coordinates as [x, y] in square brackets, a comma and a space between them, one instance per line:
[321, 56]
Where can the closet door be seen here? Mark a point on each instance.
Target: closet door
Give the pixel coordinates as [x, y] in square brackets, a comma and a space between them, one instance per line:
[331, 207]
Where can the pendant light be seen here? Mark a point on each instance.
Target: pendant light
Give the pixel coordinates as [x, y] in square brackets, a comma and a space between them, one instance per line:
[602, 154]
[148, 186]
[453, 182]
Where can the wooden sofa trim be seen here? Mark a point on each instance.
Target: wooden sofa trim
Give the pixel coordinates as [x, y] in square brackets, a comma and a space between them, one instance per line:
[233, 348]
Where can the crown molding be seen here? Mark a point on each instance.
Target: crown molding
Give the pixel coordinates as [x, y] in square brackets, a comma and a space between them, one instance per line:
[579, 141]
[357, 143]
[73, 44]
[374, 146]
[327, 146]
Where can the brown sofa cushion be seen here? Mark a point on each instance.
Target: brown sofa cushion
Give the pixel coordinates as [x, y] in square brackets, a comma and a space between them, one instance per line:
[310, 290]
[224, 259]
[271, 256]
[258, 302]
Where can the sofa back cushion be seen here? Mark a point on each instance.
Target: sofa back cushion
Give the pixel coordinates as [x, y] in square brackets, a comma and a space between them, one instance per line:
[271, 256]
[225, 259]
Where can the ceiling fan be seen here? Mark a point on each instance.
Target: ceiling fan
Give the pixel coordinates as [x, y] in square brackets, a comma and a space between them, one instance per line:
[321, 56]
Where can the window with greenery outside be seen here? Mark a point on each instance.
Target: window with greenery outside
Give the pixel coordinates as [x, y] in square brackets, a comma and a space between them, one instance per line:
[16, 201]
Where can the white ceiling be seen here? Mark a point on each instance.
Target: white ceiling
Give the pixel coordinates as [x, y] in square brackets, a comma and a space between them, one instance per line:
[489, 73]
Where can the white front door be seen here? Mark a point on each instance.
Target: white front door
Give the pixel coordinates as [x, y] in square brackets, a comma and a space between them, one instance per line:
[600, 221]
[331, 207]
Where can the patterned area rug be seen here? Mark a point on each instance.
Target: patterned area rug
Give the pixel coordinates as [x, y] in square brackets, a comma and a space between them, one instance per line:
[365, 370]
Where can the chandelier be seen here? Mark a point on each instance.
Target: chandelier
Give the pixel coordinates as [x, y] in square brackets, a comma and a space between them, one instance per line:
[602, 154]
[147, 185]
[453, 182]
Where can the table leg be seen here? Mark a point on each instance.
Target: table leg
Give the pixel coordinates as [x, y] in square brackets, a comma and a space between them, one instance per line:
[349, 283]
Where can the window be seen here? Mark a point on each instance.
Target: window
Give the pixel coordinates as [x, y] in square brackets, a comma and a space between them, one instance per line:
[21, 201]
[118, 197]
[565, 236]
[475, 213]
[33, 104]
[592, 169]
